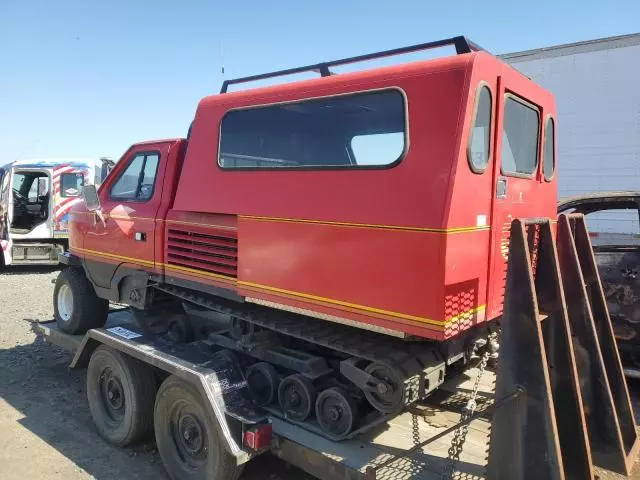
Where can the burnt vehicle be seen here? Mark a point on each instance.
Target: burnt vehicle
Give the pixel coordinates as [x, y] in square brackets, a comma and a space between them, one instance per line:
[613, 219]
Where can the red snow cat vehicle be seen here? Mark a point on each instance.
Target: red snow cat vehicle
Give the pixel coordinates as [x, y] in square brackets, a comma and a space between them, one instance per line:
[350, 233]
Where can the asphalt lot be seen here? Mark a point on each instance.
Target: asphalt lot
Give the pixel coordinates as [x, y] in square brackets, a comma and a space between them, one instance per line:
[47, 431]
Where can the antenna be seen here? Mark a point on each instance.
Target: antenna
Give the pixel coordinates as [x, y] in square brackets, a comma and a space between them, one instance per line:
[222, 56]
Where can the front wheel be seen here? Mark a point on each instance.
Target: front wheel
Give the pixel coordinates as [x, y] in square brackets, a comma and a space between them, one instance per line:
[188, 436]
[76, 306]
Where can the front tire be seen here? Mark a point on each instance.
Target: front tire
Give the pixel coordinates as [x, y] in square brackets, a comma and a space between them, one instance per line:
[76, 306]
[188, 436]
[121, 393]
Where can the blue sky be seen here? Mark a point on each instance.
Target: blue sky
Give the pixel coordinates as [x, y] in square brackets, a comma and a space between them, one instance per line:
[90, 77]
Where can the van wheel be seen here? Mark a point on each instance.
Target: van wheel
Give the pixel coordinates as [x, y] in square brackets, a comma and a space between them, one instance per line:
[188, 437]
[76, 306]
[121, 391]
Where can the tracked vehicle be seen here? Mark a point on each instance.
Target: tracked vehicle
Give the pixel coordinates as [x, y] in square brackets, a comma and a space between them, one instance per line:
[352, 229]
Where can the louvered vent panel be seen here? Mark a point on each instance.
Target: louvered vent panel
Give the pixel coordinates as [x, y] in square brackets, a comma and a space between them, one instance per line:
[215, 252]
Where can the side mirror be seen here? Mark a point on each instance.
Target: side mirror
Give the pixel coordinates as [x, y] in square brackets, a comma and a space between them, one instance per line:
[90, 196]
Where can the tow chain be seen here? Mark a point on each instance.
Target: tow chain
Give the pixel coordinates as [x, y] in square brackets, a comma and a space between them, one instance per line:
[460, 435]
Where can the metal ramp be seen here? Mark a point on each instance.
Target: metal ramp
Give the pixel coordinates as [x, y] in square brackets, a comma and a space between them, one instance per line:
[557, 346]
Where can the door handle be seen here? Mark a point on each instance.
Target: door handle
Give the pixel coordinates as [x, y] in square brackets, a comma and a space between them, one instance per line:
[501, 187]
[140, 237]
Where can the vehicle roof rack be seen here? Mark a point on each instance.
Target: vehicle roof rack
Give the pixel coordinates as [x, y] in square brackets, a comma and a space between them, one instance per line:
[462, 45]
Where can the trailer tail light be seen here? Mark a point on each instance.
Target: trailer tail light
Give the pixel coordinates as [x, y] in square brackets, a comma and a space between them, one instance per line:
[258, 437]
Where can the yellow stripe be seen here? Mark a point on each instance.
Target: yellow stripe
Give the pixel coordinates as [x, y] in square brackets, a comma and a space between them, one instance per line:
[139, 261]
[366, 225]
[300, 220]
[147, 263]
[364, 307]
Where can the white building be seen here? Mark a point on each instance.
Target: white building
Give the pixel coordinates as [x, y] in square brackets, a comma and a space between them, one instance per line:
[597, 88]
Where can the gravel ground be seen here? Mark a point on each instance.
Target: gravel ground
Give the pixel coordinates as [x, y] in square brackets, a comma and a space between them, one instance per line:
[47, 431]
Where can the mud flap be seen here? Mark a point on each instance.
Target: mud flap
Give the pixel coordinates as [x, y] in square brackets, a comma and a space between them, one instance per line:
[5, 246]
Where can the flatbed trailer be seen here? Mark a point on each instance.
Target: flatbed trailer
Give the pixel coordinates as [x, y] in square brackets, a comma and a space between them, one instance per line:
[556, 408]
[315, 454]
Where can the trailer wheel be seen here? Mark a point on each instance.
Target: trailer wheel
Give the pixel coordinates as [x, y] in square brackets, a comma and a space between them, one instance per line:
[121, 391]
[76, 306]
[188, 436]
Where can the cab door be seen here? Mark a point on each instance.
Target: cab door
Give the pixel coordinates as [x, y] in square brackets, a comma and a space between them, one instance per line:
[6, 215]
[518, 191]
[122, 233]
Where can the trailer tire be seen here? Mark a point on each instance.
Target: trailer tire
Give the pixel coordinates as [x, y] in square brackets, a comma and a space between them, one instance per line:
[76, 306]
[121, 392]
[188, 436]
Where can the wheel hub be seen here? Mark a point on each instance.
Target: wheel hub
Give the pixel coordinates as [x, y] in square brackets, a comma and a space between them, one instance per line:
[191, 433]
[113, 395]
[335, 414]
[65, 302]
[294, 399]
[383, 388]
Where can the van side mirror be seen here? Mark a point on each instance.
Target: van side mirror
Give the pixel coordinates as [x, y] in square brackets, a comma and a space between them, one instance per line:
[90, 196]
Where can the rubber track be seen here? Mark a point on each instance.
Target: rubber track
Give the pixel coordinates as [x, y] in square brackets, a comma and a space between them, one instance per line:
[371, 346]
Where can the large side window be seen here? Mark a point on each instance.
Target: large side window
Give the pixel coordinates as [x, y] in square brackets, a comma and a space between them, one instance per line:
[358, 130]
[137, 182]
[520, 133]
[549, 158]
[480, 140]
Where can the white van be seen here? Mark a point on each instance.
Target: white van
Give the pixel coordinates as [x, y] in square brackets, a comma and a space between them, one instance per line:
[36, 197]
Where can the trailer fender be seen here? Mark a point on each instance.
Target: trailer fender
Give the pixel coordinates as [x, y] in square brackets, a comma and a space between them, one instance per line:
[215, 373]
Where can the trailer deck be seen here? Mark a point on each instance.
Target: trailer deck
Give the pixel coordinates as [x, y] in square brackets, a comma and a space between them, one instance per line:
[350, 459]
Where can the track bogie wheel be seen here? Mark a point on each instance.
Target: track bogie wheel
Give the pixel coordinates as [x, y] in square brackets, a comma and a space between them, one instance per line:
[263, 381]
[336, 412]
[297, 396]
[180, 329]
[387, 393]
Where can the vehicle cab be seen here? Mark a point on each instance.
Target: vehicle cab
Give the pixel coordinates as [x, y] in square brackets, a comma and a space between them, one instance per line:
[380, 198]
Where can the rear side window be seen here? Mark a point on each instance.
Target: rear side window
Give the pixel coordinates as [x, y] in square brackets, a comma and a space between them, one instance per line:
[137, 182]
[71, 184]
[618, 226]
[480, 140]
[520, 132]
[549, 158]
[360, 130]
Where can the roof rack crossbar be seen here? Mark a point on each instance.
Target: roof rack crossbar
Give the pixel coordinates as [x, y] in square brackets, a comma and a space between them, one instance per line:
[461, 44]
